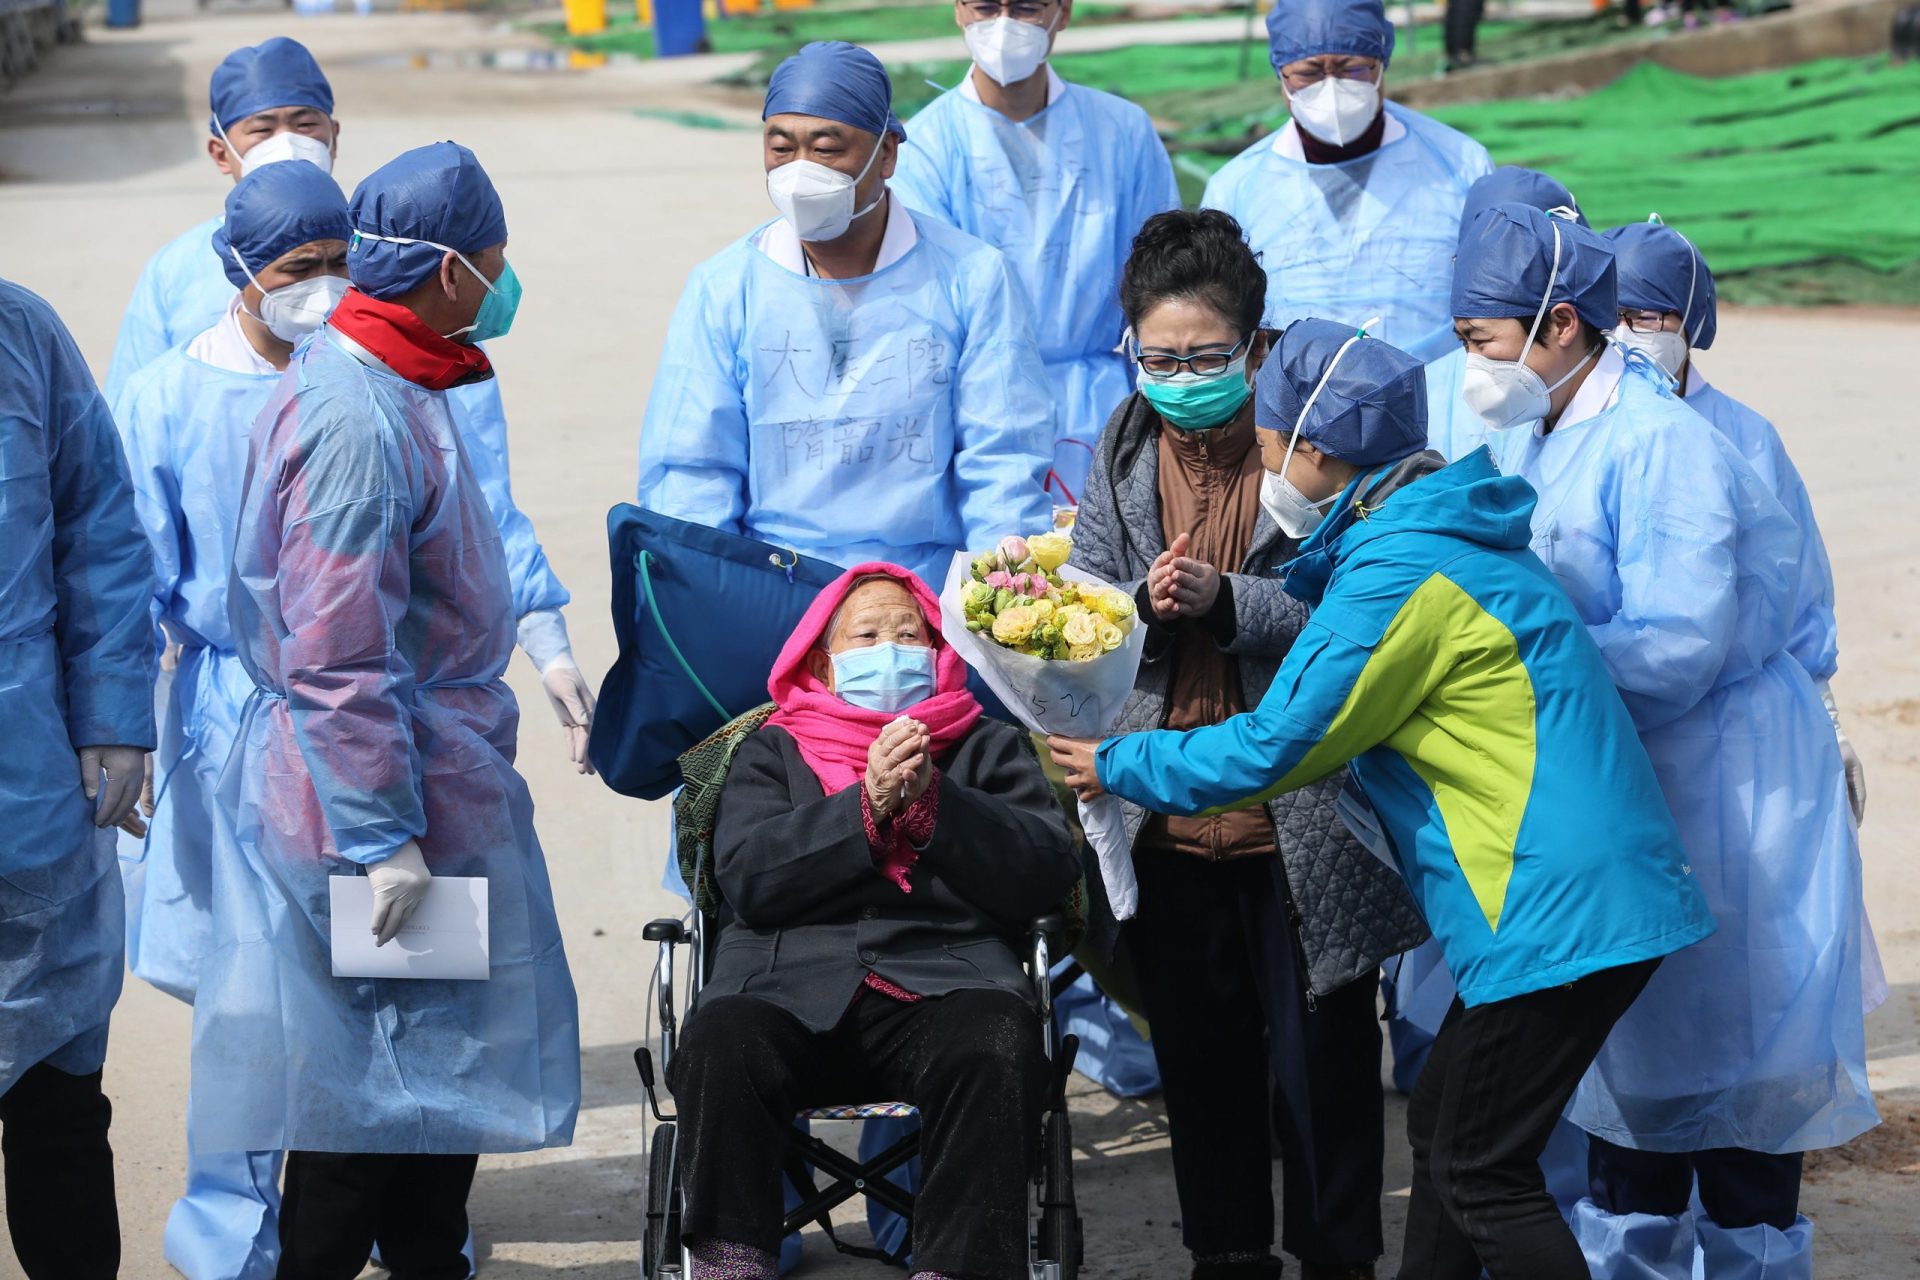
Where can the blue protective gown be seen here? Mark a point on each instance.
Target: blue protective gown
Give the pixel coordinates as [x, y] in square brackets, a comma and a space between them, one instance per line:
[372, 608]
[899, 416]
[1682, 565]
[1368, 237]
[1062, 195]
[76, 670]
[183, 290]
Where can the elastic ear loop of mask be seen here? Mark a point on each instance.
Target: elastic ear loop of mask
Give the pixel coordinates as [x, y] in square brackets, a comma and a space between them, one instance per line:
[368, 235]
[256, 284]
[1693, 274]
[1546, 301]
[1325, 378]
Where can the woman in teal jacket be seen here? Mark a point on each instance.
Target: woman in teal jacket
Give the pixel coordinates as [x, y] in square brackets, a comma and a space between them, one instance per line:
[1445, 666]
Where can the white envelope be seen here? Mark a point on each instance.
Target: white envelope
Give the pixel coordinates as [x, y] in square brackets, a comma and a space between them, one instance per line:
[446, 938]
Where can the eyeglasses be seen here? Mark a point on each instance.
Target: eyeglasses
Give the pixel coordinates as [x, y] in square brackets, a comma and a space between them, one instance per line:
[1023, 10]
[1205, 363]
[1307, 77]
[1644, 321]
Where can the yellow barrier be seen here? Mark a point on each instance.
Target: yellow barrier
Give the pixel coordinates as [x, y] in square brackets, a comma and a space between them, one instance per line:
[586, 17]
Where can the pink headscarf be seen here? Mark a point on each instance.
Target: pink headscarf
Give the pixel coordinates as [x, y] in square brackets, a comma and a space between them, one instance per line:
[834, 735]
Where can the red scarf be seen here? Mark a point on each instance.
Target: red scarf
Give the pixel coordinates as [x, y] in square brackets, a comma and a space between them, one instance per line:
[401, 341]
[834, 736]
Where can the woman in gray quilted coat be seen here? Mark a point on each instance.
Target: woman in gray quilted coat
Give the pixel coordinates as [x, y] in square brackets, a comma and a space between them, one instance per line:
[1257, 971]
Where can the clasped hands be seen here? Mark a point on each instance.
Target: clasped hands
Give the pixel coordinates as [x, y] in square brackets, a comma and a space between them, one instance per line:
[899, 767]
[1179, 586]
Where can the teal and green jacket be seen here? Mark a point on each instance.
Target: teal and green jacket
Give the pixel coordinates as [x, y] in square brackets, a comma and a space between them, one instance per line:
[1446, 666]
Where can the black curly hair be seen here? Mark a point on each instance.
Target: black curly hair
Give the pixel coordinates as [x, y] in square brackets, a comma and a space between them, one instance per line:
[1201, 255]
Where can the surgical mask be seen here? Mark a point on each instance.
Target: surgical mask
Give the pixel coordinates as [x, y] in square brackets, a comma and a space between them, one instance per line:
[887, 678]
[1337, 110]
[295, 310]
[286, 145]
[1668, 350]
[1007, 49]
[497, 309]
[1296, 513]
[1198, 401]
[818, 201]
[1506, 393]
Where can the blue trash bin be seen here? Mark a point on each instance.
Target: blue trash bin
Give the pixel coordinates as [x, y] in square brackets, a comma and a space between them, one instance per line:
[123, 13]
[678, 28]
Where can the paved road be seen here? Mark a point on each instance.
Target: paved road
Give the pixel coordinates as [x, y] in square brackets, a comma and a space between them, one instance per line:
[102, 159]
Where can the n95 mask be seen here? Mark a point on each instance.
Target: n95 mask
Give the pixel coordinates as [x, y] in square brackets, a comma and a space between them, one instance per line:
[293, 311]
[286, 145]
[816, 200]
[1007, 49]
[1336, 110]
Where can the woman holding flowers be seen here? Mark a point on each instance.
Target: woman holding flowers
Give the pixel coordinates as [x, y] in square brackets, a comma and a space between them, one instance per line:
[1258, 933]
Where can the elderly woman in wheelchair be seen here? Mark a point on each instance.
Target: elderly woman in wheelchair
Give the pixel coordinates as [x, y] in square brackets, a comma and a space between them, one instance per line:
[880, 850]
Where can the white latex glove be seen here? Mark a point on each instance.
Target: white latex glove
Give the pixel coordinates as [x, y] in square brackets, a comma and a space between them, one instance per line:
[115, 794]
[1849, 758]
[572, 700]
[399, 886]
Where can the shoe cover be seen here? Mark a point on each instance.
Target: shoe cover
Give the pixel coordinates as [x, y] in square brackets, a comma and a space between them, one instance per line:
[1754, 1253]
[1634, 1246]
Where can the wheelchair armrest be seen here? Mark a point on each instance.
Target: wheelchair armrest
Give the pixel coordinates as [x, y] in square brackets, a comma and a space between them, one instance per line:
[1051, 925]
[665, 930]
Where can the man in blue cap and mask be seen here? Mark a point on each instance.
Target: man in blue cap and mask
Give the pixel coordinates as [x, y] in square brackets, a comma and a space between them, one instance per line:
[1444, 666]
[268, 103]
[1748, 1051]
[1354, 204]
[371, 605]
[76, 698]
[852, 380]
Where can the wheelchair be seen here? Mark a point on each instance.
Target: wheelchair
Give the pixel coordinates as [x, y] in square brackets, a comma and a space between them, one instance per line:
[1054, 1245]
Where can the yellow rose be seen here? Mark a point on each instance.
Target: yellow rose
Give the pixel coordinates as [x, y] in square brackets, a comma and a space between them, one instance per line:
[1043, 608]
[1014, 625]
[1115, 606]
[1111, 637]
[1083, 652]
[1079, 628]
[1050, 550]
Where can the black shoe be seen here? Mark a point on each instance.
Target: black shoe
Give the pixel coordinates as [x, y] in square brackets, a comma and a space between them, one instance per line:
[1267, 1268]
[1336, 1271]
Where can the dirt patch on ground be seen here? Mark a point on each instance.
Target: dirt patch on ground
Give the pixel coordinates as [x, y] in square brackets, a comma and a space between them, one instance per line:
[1891, 1148]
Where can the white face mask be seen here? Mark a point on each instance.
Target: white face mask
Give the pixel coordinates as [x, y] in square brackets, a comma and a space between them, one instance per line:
[286, 145]
[1296, 513]
[1668, 350]
[1007, 49]
[1337, 110]
[1506, 393]
[817, 200]
[293, 311]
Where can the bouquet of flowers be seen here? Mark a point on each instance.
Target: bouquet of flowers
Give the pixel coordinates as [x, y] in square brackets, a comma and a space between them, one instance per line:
[1060, 648]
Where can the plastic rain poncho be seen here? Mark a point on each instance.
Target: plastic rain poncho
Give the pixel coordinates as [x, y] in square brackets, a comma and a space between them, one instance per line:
[1681, 563]
[76, 669]
[372, 608]
[901, 416]
[1062, 195]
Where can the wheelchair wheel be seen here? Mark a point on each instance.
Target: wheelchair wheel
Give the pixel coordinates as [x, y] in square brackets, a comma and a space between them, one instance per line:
[660, 1242]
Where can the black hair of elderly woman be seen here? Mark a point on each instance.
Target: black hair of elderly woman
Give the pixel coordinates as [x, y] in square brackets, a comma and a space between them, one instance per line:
[880, 848]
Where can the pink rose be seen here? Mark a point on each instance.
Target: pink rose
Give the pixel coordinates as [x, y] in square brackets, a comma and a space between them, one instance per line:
[1001, 580]
[1030, 584]
[1014, 551]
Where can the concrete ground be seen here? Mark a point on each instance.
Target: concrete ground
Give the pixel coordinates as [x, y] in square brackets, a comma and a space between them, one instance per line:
[610, 203]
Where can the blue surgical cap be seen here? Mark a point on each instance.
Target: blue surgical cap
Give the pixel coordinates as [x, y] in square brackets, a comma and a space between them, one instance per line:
[1510, 184]
[835, 81]
[276, 208]
[1299, 29]
[435, 193]
[1373, 408]
[1660, 270]
[277, 73]
[1506, 258]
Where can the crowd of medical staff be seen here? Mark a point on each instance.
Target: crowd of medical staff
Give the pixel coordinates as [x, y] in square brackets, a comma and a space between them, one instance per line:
[264, 584]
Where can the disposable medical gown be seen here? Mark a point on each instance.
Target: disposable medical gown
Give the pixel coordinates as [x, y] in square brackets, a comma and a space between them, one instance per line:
[76, 669]
[1062, 194]
[1453, 430]
[899, 416]
[1681, 563]
[371, 607]
[1815, 640]
[1368, 237]
[185, 426]
[183, 290]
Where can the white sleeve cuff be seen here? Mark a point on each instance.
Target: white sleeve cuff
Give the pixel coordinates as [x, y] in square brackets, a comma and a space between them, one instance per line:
[543, 634]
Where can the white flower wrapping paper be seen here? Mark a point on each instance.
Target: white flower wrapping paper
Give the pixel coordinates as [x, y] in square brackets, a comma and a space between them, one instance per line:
[1075, 699]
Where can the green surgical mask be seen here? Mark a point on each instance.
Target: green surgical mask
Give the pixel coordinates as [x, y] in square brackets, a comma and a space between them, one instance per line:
[1195, 401]
[497, 309]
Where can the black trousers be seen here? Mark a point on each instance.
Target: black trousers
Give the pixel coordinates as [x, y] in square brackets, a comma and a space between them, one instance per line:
[1226, 998]
[1499, 1076]
[1461, 27]
[1738, 1188]
[59, 1176]
[972, 1062]
[337, 1206]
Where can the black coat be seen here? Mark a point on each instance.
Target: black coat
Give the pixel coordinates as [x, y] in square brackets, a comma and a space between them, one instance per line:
[808, 913]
